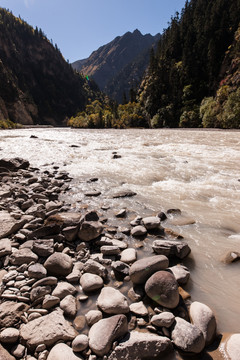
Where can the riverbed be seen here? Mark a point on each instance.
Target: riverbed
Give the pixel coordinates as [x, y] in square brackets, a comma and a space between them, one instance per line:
[195, 171]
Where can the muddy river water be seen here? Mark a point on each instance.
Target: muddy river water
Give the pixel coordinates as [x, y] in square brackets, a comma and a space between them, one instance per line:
[195, 171]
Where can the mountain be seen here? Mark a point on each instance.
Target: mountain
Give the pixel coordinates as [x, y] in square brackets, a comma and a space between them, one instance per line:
[193, 77]
[119, 65]
[37, 86]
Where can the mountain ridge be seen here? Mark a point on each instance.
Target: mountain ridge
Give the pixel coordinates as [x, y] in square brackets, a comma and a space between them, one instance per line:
[106, 63]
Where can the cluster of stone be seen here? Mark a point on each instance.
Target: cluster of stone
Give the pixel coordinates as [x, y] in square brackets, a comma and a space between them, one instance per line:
[53, 258]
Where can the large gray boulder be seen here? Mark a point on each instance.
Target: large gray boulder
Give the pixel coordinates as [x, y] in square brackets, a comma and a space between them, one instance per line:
[43, 247]
[112, 301]
[93, 267]
[142, 269]
[58, 264]
[140, 345]
[53, 327]
[64, 289]
[202, 316]
[62, 351]
[91, 282]
[187, 337]
[171, 247]
[162, 287]
[105, 331]
[232, 347]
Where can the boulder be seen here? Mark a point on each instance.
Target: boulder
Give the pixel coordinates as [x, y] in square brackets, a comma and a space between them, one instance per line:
[50, 301]
[10, 313]
[38, 293]
[62, 351]
[120, 269]
[53, 328]
[5, 247]
[4, 354]
[138, 230]
[91, 282]
[171, 247]
[69, 306]
[65, 219]
[103, 333]
[139, 309]
[90, 230]
[112, 301]
[187, 337]
[110, 250]
[162, 287]
[63, 289]
[23, 256]
[58, 264]
[9, 225]
[142, 269]
[124, 193]
[140, 345]
[129, 255]
[231, 257]
[43, 248]
[80, 343]
[151, 222]
[232, 347]
[164, 319]
[14, 164]
[181, 273]
[93, 316]
[18, 351]
[9, 336]
[202, 317]
[37, 271]
[94, 267]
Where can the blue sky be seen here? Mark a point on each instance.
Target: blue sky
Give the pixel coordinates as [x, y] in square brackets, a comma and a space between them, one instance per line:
[79, 27]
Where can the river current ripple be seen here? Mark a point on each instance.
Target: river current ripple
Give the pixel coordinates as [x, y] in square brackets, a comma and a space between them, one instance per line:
[195, 171]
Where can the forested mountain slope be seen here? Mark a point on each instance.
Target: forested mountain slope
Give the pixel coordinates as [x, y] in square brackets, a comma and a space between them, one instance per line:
[36, 84]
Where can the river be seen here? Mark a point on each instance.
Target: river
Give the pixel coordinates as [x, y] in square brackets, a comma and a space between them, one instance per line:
[197, 171]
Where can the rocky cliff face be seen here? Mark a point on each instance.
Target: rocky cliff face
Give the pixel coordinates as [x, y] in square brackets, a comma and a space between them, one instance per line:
[120, 64]
[36, 84]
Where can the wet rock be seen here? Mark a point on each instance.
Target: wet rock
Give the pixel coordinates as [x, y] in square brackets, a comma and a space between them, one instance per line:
[37, 271]
[110, 250]
[121, 213]
[174, 211]
[164, 319]
[230, 257]
[80, 343]
[93, 193]
[93, 316]
[4, 354]
[202, 317]
[9, 336]
[138, 346]
[63, 289]
[142, 269]
[111, 242]
[105, 332]
[139, 309]
[69, 306]
[50, 301]
[232, 347]
[124, 193]
[136, 221]
[112, 301]
[129, 255]
[151, 222]
[136, 293]
[10, 313]
[79, 322]
[138, 231]
[187, 337]
[5, 247]
[43, 248]
[59, 264]
[162, 287]
[94, 267]
[90, 230]
[181, 273]
[91, 282]
[62, 351]
[167, 247]
[162, 216]
[53, 328]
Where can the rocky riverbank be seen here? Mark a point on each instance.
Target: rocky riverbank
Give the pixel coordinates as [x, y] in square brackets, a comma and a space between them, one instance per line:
[55, 259]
